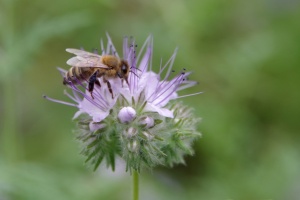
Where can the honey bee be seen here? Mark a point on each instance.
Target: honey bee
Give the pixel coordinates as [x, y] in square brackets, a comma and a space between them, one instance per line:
[86, 66]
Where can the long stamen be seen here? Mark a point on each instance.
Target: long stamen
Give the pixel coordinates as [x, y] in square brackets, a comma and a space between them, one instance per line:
[70, 96]
[102, 47]
[125, 47]
[187, 84]
[76, 95]
[170, 92]
[110, 46]
[188, 95]
[160, 91]
[96, 94]
[148, 40]
[144, 63]
[73, 86]
[59, 101]
[87, 97]
[169, 63]
[61, 71]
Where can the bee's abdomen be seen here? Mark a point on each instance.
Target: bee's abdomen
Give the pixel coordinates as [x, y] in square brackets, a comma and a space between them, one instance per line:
[74, 75]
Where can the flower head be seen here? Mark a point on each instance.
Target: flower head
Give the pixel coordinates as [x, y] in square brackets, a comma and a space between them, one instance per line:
[142, 123]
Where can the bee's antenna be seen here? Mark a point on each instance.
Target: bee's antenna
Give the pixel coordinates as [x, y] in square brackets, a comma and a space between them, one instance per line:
[135, 74]
[136, 68]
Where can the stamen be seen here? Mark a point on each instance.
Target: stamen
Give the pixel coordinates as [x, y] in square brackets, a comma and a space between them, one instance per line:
[187, 84]
[62, 71]
[159, 91]
[125, 47]
[110, 45]
[70, 96]
[95, 94]
[171, 91]
[87, 97]
[169, 63]
[144, 63]
[164, 80]
[102, 47]
[73, 86]
[146, 43]
[160, 64]
[132, 57]
[59, 101]
[151, 55]
[135, 74]
[188, 95]
[76, 95]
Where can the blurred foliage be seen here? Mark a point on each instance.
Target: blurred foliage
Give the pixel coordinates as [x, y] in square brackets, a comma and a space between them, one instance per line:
[245, 54]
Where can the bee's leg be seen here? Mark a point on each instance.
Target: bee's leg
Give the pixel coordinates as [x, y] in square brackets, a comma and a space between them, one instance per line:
[123, 81]
[109, 87]
[126, 79]
[92, 80]
[97, 83]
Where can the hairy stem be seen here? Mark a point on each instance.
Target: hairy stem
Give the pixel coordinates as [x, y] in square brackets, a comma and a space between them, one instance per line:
[135, 181]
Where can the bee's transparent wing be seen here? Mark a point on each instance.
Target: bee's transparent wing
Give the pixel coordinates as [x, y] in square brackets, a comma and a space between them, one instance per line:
[81, 53]
[85, 59]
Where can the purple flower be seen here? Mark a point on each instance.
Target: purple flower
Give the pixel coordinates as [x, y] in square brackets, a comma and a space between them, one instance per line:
[142, 118]
[145, 86]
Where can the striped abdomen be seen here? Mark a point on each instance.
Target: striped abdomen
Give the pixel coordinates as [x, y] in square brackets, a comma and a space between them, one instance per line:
[76, 74]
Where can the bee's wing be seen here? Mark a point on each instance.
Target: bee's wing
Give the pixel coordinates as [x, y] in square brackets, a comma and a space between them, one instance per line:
[85, 59]
[81, 53]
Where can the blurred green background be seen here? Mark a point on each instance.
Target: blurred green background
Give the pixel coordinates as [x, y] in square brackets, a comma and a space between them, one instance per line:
[245, 54]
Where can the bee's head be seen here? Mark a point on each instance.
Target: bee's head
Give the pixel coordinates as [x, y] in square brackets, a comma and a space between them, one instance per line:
[124, 69]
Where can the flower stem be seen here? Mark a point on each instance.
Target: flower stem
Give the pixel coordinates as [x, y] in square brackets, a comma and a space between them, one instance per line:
[135, 181]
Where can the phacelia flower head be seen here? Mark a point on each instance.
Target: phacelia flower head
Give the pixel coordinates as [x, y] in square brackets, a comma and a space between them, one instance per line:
[142, 122]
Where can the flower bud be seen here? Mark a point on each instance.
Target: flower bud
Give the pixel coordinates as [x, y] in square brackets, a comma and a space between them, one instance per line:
[148, 135]
[126, 114]
[133, 146]
[130, 132]
[147, 122]
[96, 126]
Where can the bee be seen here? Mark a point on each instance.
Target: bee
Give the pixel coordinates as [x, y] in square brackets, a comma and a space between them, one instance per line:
[86, 66]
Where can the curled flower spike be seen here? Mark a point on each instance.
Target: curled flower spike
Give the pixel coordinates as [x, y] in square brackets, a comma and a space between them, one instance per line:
[143, 122]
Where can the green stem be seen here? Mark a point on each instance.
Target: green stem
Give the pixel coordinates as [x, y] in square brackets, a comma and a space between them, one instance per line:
[135, 181]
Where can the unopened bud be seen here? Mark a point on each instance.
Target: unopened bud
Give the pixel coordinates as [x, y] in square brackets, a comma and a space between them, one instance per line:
[148, 135]
[133, 146]
[96, 126]
[126, 114]
[130, 132]
[147, 122]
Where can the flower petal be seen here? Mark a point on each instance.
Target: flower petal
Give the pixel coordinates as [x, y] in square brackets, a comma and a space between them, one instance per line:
[162, 111]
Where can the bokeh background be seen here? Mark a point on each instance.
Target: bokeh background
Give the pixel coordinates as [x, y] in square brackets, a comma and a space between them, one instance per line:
[245, 55]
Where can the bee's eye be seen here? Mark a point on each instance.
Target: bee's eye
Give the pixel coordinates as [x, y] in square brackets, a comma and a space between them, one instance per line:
[124, 69]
